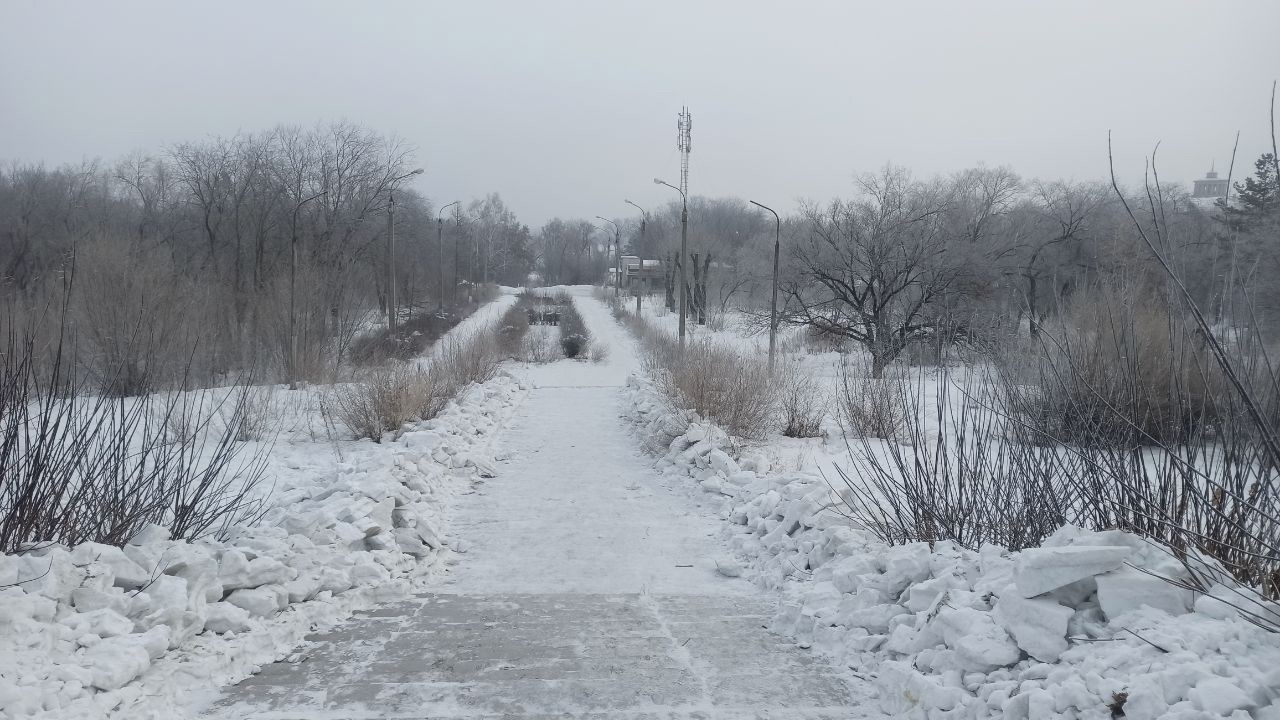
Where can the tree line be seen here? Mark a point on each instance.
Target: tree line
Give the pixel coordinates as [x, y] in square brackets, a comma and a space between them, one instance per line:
[215, 257]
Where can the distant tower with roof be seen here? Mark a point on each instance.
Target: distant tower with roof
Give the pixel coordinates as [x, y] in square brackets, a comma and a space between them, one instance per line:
[1210, 186]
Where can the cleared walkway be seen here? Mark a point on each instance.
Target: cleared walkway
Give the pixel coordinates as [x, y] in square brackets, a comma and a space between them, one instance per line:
[585, 586]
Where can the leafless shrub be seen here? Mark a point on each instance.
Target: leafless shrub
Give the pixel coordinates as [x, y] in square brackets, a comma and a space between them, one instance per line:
[720, 383]
[954, 473]
[1121, 370]
[382, 401]
[466, 359]
[541, 346]
[386, 399]
[817, 340]
[78, 467]
[261, 415]
[870, 407]
[800, 401]
[513, 328]
[716, 319]
[599, 351]
[413, 336]
[139, 318]
[923, 353]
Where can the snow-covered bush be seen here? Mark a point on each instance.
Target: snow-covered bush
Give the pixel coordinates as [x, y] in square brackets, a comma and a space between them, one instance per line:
[574, 336]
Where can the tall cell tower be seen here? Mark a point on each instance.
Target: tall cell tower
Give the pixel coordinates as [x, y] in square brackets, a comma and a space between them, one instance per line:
[684, 126]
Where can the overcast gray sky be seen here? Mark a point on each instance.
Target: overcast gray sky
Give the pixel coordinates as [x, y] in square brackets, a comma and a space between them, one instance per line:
[566, 108]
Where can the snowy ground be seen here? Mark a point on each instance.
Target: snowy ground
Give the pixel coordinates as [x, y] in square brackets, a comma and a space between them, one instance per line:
[93, 631]
[585, 582]
[585, 578]
[1083, 627]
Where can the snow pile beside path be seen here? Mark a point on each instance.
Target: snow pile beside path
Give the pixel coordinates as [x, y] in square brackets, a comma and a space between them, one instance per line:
[1077, 628]
[96, 630]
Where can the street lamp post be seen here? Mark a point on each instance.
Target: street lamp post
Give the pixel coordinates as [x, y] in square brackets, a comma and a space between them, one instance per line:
[684, 250]
[457, 231]
[391, 250]
[773, 303]
[293, 282]
[617, 255]
[644, 220]
[440, 248]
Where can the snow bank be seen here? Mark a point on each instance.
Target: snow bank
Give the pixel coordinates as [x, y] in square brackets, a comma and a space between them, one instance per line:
[95, 631]
[1077, 628]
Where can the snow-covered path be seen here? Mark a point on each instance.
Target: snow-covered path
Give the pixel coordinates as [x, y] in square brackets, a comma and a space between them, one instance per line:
[584, 586]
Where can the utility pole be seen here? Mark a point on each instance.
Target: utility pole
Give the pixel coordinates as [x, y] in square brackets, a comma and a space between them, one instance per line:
[773, 303]
[644, 219]
[440, 248]
[684, 144]
[617, 255]
[457, 214]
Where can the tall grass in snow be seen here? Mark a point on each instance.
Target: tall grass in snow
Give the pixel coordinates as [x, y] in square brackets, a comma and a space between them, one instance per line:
[387, 398]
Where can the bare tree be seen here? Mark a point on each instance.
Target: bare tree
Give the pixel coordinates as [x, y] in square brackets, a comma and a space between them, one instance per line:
[872, 268]
[1058, 216]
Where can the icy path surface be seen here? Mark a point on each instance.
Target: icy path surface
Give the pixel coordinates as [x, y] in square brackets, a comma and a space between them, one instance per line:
[584, 586]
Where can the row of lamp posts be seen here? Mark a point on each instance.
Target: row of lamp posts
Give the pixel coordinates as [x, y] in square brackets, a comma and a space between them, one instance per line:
[684, 252]
[617, 289]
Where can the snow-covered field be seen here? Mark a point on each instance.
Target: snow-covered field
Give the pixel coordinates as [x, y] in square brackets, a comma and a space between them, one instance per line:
[1081, 627]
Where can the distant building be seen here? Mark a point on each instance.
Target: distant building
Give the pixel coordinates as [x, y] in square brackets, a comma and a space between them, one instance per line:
[647, 275]
[1210, 187]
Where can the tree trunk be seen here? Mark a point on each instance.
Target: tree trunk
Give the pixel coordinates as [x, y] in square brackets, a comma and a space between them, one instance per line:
[694, 308]
[878, 363]
[671, 283]
[1032, 319]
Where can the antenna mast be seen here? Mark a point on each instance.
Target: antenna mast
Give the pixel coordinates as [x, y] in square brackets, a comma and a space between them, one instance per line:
[684, 126]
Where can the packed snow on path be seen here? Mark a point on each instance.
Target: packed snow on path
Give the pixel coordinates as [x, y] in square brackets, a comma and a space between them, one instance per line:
[584, 582]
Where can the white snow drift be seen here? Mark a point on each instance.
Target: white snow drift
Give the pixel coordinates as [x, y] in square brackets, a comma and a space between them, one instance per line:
[96, 630]
[1078, 628]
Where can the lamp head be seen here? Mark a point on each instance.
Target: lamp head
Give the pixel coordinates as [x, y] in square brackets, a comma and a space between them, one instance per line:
[658, 181]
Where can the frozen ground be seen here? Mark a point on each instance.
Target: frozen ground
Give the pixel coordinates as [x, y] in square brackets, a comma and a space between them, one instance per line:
[585, 582]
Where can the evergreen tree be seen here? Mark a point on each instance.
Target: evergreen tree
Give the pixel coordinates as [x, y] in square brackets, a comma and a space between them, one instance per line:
[1257, 203]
